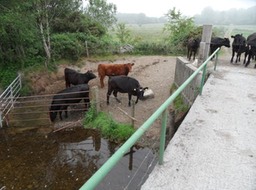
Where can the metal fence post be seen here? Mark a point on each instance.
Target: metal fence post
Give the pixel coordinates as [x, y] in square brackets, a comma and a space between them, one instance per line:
[162, 137]
[216, 60]
[202, 80]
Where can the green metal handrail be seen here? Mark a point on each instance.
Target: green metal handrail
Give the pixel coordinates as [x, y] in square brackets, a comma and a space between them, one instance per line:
[162, 110]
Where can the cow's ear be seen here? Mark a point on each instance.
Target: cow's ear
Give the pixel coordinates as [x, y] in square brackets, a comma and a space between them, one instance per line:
[135, 89]
[145, 88]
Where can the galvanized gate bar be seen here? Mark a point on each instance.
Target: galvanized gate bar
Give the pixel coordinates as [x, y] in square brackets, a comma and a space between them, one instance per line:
[8, 98]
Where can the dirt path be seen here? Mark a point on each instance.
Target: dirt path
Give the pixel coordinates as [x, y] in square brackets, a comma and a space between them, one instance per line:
[154, 72]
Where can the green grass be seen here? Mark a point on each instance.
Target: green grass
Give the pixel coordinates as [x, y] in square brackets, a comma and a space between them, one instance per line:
[178, 103]
[110, 129]
[246, 30]
[147, 32]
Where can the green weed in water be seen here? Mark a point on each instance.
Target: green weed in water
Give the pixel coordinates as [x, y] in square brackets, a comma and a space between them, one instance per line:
[109, 128]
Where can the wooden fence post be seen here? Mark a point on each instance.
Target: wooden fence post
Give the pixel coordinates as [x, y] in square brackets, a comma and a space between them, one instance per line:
[133, 112]
[95, 97]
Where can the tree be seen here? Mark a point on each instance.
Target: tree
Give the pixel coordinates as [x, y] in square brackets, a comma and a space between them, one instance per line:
[123, 34]
[46, 12]
[102, 11]
[179, 28]
[17, 33]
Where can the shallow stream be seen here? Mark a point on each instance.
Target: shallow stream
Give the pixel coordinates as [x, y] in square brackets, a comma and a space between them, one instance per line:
[30, 159]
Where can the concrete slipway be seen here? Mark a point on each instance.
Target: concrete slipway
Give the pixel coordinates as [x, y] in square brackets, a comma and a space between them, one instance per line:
[215, 146]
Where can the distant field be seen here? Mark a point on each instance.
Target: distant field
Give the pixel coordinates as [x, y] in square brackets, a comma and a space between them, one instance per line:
[246, 30]
[154, 32]
[147, 32]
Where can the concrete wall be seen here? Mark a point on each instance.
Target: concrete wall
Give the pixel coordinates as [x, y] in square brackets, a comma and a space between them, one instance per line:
[183, 71]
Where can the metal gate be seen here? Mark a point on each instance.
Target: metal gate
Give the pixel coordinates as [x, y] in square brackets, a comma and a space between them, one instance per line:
[8, 98]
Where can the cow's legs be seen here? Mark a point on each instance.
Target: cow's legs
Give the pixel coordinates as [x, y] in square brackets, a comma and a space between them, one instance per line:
[87, 103]
[115, 94]
[194, 57]
[108, 94]
[245, 56]
[129, 99]
[66, 111]
[188, 55]
[60, 112]
[249, 59]
[67, 84]
[233, 53]
[102, 81]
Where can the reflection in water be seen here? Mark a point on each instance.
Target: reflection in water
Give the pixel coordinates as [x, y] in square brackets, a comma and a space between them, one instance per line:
[63, 160]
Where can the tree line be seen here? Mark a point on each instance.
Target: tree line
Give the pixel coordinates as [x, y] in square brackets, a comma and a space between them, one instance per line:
[232, 16]
[208, 15]
[42, 31]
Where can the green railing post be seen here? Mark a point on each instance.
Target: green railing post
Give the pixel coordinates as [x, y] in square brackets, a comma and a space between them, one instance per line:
[216, 60]
[203, 79]
[162, 137]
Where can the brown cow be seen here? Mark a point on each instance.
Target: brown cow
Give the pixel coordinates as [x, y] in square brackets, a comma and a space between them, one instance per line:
[113, 70]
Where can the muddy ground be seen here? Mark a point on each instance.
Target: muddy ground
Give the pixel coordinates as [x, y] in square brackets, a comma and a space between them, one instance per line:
[154, 72]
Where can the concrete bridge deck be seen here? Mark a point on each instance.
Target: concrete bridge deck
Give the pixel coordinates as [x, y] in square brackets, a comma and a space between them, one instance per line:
[215, 146]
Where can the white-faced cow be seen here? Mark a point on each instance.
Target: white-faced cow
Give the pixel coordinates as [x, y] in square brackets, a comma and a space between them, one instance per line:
[67, 97]
[238, 47]
[75, 78]
[217, 42]
[192, 46]
[251, 48]
[125, 84]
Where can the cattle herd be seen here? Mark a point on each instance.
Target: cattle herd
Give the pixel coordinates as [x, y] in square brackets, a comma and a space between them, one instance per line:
[118, 82]
[240, 45]
[77, 87]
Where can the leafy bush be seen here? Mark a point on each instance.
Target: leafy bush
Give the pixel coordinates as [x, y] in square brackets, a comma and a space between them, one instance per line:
[180, 28]
[152, 48]
[109, 128]
[179, 105]
[66, 46]
[8, 74]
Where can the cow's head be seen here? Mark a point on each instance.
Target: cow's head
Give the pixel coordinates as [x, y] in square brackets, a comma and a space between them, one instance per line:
[129, 65]
[226, 42]
[140, 92]
[90, 74]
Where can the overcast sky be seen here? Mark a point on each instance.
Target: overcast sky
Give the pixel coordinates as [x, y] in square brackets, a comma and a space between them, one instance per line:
[157, 8]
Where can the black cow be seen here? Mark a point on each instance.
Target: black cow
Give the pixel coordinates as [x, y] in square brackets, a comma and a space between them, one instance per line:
[217, 42]
[238, 47]
[125, 84]
[192, 46]
[251, 49]
[75, 78]
[67, 97]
